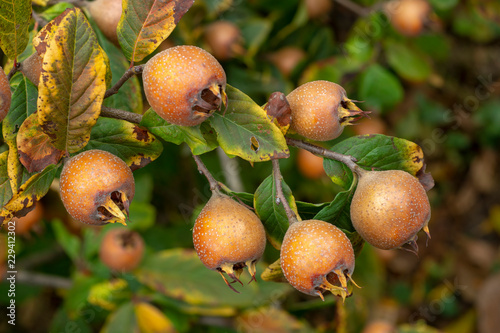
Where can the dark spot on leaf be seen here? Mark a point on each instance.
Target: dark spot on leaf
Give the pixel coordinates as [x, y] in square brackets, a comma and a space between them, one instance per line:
[141, 134]
[142, 162]
[181, 7]
[254, 144]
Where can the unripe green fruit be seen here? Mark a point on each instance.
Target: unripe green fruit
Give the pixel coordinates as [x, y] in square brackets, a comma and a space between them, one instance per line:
[389, 208]
[184, 85]
[321, 109]
[228, 236]
[316, 255]
[97, 187]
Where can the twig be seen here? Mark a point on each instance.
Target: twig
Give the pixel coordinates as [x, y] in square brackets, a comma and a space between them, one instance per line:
[40, 258]
[76, 3]
[348, 160]
[121, 114]
[355, 8]
[231, 171]
[280, 196]
[136, 70]
[14, 70]
[214, 184]
[44, 280]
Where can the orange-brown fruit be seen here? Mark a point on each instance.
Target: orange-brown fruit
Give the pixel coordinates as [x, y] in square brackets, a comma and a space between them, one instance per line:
[106, 14]
[287, 58]
[224, 40]
[32, 68]
[5, 94]
[321, 109]
[121, 249]
[97, 187]
[228, 236]
[316, 256]
[310, 165]
[184, 85]
[389, 208]
[25, 223]
[408, 16]
[370, 126]
[318, 8]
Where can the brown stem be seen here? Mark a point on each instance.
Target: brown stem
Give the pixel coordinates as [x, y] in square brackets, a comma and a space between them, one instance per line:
[14, 70]
[121, 114]
[136, 70]
[76, 3]
[348, 160]
[214, 184]
[280, 196]
[44, 280]
[360, 10]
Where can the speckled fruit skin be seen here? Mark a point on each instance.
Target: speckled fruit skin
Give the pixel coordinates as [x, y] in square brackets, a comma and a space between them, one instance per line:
[227, 232]
[177, 81]
[5, 95]
[311, 250]
[88, 179]
[389, 208]
[408, 16]
[315, 110]
[121, 249]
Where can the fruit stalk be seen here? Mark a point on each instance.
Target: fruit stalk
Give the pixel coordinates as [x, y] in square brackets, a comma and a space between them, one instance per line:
[348, 160]
[280, 197]
[135, 70]
[214, 184]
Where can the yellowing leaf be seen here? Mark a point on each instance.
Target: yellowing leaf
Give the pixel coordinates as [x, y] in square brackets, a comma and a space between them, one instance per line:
[151, 320]
[42, 3]
[15, 18]
[107, 294]
[73, 80]
[144, 24]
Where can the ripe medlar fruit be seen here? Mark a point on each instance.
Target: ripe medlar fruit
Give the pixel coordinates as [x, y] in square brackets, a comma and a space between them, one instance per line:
[389, 208]
[228, 236]
[321, 109]
[106, 14]
[26, 222]
[408, 16]
[121, 249]
[5, 94]
[310, 165]
[97, 187]
[32, 68]
[316, 256]
[224, 40]
[286, 59]
[184, 85]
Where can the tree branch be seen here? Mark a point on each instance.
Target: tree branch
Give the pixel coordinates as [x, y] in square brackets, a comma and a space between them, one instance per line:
[121, 114]
[44, 280]
[280, 196]
[348, 160]
[214, 184]
[136, 70]
[14, 70]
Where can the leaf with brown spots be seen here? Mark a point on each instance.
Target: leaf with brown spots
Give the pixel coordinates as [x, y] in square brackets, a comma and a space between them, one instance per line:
[73, 80]
[36, 151]
[246, 131]
[133, 144]
[145, 24]
[15, 18]
[5, 188]
[29, 193]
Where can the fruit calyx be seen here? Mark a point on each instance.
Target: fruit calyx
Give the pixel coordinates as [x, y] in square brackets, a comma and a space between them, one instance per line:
[350, 112]
[115, 208]
[208, 101]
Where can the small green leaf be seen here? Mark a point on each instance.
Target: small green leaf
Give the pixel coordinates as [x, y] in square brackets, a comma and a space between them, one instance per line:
[15, 18]
[199, 138]
[408, 62]
[144, 24]
[308, 210]
[271, 213]
[179, 274]
[69, 242]
[5, 188]
[142, 215]
[123, 320]
[29, 193]
[379, 88]
[244, 130]
[133, 144]
[338, 211]
[378, 152]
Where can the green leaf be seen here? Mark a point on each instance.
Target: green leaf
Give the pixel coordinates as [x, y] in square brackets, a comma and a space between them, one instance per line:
[308, 210]
[15, 18]
[133, 144]
[29, 193]
[378, 152]
[379, 88]
[5, 188]
[179, 274]
[123, 320]
[72, 83]
[199, 138]
[408, 62]
[142, 215]
[338, 211]
[144, 24]
[272, 214]
[69, 242]
[246, 131]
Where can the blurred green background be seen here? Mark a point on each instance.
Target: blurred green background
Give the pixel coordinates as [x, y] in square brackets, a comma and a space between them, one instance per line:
[433, 80]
